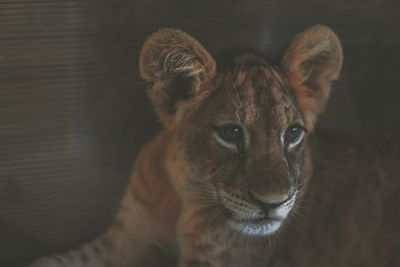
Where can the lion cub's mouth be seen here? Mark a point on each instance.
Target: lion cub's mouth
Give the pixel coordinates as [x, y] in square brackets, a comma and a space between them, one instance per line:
[251, 219]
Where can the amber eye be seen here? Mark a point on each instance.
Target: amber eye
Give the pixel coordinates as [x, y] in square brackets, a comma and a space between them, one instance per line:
[294, 135]
[231, 134]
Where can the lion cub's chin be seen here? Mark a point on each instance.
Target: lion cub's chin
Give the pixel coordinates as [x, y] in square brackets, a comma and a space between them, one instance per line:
[264, 225]
[256, 228]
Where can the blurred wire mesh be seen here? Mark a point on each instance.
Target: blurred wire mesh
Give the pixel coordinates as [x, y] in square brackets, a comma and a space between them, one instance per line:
[73, 111]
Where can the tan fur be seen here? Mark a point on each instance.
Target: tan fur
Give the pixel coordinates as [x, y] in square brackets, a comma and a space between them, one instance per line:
[350, 214]
[194, 200]
[312, 64]
[169, 52]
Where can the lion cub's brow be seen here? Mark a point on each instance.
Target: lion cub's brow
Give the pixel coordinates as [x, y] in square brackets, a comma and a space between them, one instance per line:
[258, 91]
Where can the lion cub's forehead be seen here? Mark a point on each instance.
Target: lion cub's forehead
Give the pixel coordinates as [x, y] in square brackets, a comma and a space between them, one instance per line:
[258, 90]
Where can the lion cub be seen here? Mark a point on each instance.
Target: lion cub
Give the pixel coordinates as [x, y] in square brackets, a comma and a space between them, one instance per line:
[232, 161]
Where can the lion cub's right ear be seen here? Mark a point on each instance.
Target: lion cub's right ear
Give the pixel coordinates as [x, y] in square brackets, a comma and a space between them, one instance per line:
[179, 69]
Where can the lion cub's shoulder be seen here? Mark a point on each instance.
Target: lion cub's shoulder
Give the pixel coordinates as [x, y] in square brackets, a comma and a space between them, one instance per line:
[350, 214]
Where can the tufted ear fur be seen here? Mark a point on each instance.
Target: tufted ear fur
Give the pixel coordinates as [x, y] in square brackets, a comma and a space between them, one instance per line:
[178, 69]
[312, 61]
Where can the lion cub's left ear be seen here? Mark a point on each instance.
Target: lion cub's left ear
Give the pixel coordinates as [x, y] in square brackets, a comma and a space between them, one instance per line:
[312, 61]
[178, 68]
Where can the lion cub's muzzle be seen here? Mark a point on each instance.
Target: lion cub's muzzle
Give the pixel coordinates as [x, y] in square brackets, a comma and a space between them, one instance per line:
[252, 216]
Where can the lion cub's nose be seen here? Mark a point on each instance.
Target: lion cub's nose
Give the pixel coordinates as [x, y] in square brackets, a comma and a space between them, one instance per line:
[272, 198]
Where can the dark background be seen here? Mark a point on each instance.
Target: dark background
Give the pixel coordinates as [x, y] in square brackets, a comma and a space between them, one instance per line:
[73, 111]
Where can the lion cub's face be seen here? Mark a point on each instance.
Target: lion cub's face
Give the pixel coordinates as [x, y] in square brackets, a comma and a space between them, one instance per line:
[246, 144]
[242, 125]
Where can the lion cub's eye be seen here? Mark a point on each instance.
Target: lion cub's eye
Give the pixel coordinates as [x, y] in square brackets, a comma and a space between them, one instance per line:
[230, 134]
[293, 135]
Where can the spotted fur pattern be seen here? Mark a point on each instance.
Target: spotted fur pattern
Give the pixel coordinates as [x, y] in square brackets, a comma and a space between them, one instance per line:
[196, 198]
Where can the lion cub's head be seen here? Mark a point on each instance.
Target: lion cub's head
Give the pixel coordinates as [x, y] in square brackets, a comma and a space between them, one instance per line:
[242, 123]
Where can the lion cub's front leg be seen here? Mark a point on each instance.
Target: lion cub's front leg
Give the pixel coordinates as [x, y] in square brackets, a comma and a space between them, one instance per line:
[207, 240]
[198, 240]
[224, 248]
